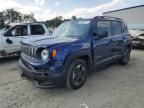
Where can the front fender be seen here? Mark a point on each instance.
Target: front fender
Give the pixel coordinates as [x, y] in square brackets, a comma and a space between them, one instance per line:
[82, 54]
[67, 52]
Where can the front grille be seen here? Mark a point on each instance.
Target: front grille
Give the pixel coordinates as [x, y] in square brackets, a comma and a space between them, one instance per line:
[29, 51]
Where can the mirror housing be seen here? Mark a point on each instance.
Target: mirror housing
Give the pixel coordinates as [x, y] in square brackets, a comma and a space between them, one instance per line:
[100, 35]
[6, 34]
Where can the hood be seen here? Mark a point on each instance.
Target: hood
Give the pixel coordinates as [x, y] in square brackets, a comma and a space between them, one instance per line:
[33, 38]
[48, 41]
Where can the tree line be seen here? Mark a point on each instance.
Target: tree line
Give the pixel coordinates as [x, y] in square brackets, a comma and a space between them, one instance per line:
[12, 16]
[55, 22]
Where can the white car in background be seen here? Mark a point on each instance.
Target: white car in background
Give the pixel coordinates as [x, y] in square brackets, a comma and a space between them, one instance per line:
[137, 38]
[12, 35]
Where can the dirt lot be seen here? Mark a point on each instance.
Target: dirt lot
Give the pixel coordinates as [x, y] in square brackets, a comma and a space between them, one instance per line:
[114, 87]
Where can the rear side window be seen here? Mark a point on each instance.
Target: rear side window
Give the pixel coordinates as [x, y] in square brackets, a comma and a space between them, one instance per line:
[116, 28]
[124, 27]
[37, 29]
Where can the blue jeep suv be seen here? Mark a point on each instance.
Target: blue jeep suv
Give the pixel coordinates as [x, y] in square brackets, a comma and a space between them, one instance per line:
[76, 47]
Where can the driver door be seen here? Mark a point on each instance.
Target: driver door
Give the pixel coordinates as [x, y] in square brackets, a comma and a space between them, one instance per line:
[101, 45]
[13, 37]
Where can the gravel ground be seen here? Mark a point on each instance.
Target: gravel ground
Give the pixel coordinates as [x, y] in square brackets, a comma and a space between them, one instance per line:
[113, 87]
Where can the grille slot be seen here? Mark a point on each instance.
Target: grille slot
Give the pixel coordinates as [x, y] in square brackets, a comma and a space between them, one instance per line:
[29, 51]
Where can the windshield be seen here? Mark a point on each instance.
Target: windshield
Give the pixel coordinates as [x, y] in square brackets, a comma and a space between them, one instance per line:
[72, 28]
[5, 28]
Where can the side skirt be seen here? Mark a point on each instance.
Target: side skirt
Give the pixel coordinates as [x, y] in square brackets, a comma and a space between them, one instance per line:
[108, 60]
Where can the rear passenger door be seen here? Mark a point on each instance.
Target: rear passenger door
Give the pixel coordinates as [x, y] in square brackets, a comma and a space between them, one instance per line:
[117, 34]
[36, 30]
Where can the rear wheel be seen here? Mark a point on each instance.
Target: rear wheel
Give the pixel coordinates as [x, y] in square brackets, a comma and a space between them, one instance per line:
[126, 57]
[77, 74]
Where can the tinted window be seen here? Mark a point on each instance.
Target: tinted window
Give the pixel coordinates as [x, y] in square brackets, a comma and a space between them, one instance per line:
[102, 26]
[37, 29]
[20, 30]
[116, 28]
[124, 27]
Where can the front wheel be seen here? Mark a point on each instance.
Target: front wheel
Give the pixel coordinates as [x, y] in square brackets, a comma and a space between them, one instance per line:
[77, 74]
[126, 57]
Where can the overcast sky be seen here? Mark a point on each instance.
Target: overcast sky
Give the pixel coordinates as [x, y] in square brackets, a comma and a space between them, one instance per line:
[48, 9]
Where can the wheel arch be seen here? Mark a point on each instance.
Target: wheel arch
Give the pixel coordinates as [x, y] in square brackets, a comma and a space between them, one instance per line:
[129, 46]
[81, 55]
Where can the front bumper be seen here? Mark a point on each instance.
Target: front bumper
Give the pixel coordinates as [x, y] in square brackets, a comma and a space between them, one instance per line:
[41, 79]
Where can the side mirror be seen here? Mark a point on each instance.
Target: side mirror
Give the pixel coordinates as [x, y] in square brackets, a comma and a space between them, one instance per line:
[7, 34]
[100, 35]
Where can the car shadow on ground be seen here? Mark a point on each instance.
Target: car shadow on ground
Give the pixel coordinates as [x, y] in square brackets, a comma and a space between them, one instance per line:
[91, 76]
[138, 48]
[96, 76]
[9, 59]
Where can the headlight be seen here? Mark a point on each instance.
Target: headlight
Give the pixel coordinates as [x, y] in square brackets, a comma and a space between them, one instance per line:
[45, 54]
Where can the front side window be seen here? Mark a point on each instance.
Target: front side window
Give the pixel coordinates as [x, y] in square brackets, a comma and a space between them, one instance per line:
[116, 28]
[73, 28]
[102, 27]
[20, 30]
[37, 30]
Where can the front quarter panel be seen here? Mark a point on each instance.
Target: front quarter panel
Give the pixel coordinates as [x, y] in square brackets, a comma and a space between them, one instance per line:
[69, 51]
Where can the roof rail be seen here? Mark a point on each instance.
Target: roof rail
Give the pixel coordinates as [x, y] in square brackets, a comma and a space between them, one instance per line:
[108, 17]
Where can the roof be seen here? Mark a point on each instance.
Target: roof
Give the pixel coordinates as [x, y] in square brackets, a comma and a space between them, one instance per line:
[99, 18]
[23, 23]
[107, 18]
[124, 9]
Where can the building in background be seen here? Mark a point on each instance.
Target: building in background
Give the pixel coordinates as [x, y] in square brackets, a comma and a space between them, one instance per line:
[133, 16]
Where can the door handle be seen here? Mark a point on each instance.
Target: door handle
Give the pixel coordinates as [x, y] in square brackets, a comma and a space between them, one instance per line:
[123, 38]
[23, 38]
[111, 41]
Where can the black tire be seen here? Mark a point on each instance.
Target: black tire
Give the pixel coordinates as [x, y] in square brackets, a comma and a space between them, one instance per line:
[126, 56]
[77, 73]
